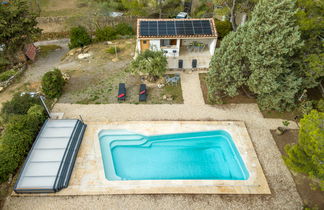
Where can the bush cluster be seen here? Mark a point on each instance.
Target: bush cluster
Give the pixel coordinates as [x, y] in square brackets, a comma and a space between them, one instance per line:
[105, 34]
[7, 74]
[113, 50]
[18, 136]
[79, 37]
[110, 33]
[223, 28]
[18, 105]
[52, 84]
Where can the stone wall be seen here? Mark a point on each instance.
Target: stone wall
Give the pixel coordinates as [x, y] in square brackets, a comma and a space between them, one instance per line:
[64, 23]
[21, 68]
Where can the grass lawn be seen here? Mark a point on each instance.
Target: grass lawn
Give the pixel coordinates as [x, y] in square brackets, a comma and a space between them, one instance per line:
[96, 80]
[44, 50]
[311, 197]
[103, 89]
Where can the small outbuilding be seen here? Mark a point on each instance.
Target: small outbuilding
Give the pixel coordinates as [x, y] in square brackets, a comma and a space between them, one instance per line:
[181, 40]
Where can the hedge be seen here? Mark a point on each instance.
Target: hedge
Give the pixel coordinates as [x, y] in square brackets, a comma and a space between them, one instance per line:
[18, 136]
[18, 105]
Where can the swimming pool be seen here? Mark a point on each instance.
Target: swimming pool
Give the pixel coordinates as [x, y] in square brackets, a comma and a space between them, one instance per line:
[206, 155]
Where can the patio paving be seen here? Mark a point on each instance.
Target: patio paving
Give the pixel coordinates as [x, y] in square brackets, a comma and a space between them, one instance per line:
[283, 190]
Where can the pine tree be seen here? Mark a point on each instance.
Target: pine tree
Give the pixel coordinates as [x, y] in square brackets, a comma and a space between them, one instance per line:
[307, 156]
[226, 73]
[18, 26]
[270, 42]
[261, 52]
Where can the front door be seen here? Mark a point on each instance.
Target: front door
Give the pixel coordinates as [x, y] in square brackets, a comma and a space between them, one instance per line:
[145, 45]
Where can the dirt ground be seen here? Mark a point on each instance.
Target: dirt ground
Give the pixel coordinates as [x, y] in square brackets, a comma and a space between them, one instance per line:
[95, 80]
[239, 99]
[311, 198]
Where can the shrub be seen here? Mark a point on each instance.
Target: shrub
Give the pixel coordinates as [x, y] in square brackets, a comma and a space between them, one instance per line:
[17, 139]
[112, 50]
[79, 37]
[149, 62]
[7, 74]
[124, 29]
[307, 156]
[19, 105]
[223, 28]
[52, 84]
[105, 34]
[3, 61]
[320, 105]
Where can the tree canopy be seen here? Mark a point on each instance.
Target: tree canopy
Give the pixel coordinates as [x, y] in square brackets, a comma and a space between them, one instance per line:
[18, 26]
[152, 63]
[310, 20]
[259, 55]
[307, 156]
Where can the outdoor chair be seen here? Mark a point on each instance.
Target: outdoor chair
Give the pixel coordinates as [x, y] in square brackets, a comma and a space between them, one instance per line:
[172, 80]
[194, 63]
[143, 93]
[121, 92]
[180, 64]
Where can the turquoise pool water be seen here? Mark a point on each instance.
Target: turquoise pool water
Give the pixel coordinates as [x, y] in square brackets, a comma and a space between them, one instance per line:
[197, 155]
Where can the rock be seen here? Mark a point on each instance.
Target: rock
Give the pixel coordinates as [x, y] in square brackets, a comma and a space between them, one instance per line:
[167, 97]
[66, 77]
[1, 89]
[84, 56]
[114, 59]
[280, 130]
[10, 178]
[161, 85]
[109, 42]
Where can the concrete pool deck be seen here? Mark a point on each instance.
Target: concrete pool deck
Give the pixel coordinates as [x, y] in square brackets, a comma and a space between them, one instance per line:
[88, 174]
[283, 195]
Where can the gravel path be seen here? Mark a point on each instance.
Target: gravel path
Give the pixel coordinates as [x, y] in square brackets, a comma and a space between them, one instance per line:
[191, 90]
[35, 71]
[284, 194]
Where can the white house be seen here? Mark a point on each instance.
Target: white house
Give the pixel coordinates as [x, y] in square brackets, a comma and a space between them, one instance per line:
[187, 43]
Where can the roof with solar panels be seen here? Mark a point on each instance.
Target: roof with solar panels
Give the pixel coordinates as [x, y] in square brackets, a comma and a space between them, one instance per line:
[176, 28]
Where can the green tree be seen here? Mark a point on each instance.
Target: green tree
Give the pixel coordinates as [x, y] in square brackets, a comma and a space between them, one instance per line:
[227, 68]
[311, 23]
[152, 63]
[233, 7]
[135, 7]
[307, 156]
[79, 37]
[18, 26]
[264, 57]
[17, 139]
[18, 105]
[52, 83]
[105, 34]
[223, 28]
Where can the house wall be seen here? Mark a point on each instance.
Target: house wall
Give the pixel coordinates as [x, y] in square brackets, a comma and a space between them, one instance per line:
[168, 51]
[212, 47]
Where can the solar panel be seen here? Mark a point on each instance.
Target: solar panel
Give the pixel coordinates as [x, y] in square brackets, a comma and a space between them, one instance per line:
[175, 27]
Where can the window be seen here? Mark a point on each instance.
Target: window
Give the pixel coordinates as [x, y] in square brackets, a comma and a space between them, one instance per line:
[144, 42]
[168, 42]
